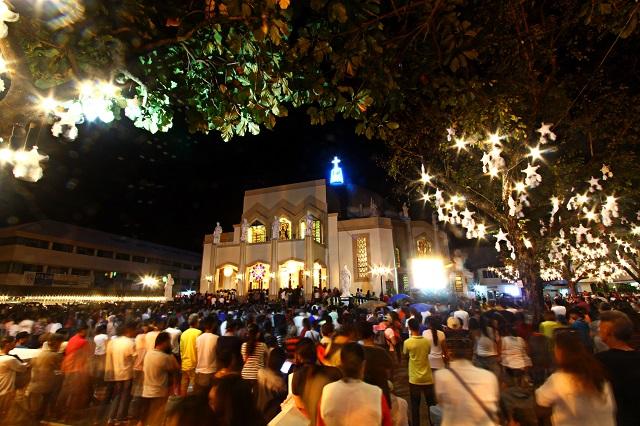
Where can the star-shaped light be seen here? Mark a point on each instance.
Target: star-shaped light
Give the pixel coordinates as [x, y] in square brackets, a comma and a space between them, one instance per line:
[481, 230]
[606, 172]
[635, 230]
[520, 187]
[594, 184]
[546, 133]
[535, 153]
[495, 138]
[424, 176]
[460, 143]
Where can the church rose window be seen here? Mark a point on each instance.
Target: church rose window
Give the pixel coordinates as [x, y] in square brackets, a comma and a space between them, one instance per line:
[361, 257]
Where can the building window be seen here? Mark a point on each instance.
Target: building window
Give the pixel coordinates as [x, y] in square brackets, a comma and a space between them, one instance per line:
[424, 247]
[5, 267]
[257, 233]
[123, 256]
[80, 272]
[32, 268]
[57, 270]
[62, 247]
[139, 259]
[361, 257]
[105, 253]
[285, 229]
[86, 251]
[316, 231]
[31, 242]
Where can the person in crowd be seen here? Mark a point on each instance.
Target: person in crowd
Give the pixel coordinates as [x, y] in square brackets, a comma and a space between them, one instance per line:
[233, 402]
[463, 316]
[46, 378]
[9, 366]
[206, 355]
[159, 366]
[379, 364]
[22, 339]
[350, 400]
[578, 322]
[99, 354]
[253, 354]
[549, 325]
[231, 344]
[622, 364]
[75, 394]
[189, 354]
[309, 378]
[175, 333]
[466, 394]
[487, 344]
[420, 378]
[119, 361]
[392, 333]
[577, 394]
[558, 310]
[436, 339]
[514, 356]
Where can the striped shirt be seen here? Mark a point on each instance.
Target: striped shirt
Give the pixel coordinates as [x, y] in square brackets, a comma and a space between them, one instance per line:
[253, 362]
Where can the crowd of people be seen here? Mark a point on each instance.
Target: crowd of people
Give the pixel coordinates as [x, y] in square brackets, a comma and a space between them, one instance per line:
[210, 360]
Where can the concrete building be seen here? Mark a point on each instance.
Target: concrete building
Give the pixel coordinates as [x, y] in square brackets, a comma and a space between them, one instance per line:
[49, 253]
[305, 234]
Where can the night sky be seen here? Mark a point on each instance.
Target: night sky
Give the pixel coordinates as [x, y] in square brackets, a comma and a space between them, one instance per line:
[171, 188]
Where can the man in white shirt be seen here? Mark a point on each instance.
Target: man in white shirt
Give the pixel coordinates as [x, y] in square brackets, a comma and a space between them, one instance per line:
[206, 355]
[463, 316]
[297, 320]
[9, 366]
[175, 333]
[120, 355]
[159, 365]
[456, 400]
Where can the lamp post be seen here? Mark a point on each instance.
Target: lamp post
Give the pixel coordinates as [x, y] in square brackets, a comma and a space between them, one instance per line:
[381, 271]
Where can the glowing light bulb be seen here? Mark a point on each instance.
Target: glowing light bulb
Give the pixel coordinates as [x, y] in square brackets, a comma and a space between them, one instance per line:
[520, 187]
[460, 143]
[424, 176]
[48, 104]
[495, 138]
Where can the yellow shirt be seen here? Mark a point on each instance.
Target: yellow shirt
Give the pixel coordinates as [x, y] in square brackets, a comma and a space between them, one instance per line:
[547, 327]
[188, 353]
[418, 349]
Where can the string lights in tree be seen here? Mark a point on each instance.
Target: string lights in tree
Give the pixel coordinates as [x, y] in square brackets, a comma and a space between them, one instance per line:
[586, 245]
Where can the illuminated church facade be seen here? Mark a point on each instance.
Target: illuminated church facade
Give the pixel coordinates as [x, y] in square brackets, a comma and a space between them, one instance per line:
[304, 234]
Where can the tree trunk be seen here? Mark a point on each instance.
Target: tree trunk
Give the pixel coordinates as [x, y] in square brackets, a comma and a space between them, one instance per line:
[572, 287]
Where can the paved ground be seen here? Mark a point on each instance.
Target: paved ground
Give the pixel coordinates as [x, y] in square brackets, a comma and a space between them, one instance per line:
[401, 388]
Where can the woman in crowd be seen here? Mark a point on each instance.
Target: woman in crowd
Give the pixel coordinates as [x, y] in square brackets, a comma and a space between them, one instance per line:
[514, 357]
[578, 393]
[253, 354]
[436, 337]
[487, 345]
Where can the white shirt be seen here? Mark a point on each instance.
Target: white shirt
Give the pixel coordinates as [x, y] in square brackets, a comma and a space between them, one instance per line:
[223, 328]
[157, 366]
[121, 353]
[175, 339]
[53, 327]
[9, 366]
[206, 353]
[435, 355]
[464, 317]
[100, 342]
[487, 346]
[354, 402]
[559, 310]
[150, 340]
[514, 353]
[26, 325]
[460, 408]
[573, 406]
[297, 320]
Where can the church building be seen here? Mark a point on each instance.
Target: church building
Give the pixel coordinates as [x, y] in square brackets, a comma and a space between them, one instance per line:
[307, 234]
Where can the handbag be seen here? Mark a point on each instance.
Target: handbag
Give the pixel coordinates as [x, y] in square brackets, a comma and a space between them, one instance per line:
[493, 417]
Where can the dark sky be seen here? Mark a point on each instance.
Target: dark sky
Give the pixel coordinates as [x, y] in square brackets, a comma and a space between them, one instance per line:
[171, 188]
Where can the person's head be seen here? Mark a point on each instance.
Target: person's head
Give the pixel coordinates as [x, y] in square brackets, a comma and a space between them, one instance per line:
[365, 331]
[54, 342]
[459, 348]
[163, 342]
[414, 326]
[130, 329]
[22, 338]
[573, 357]
[82, 330]
[101, 329]
[305, 352]
[7, 343]
[615, 328]
[207, 324]
[575, 315]
[327, 329]
[233, 403]
[173, 322]
[352, 361]
[193, 320]
[549, 316]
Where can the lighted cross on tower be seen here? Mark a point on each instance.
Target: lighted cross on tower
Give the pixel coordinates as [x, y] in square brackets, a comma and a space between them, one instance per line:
[336, 173]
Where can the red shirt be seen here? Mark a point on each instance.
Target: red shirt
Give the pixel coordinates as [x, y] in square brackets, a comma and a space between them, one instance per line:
[76, 355]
